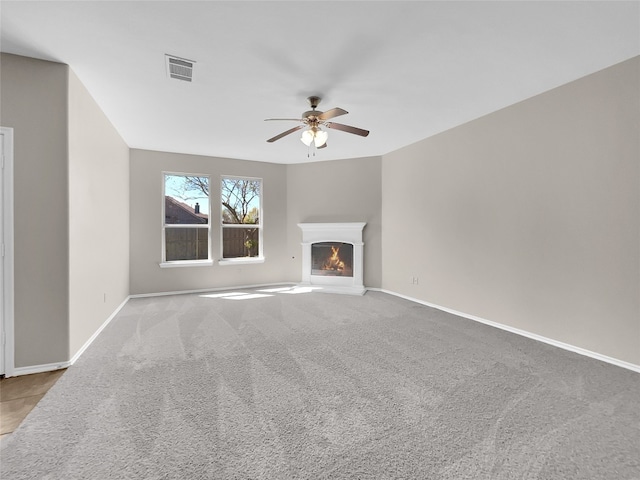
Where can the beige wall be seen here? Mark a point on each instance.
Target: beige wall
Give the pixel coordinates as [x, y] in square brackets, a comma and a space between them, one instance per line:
[146, 221]
[71, 210]
[337, 191]
[528, 217]
[98, 216]
[34, 103]
[346, 190]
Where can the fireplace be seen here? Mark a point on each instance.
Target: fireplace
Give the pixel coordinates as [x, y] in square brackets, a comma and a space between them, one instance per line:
[332, 256]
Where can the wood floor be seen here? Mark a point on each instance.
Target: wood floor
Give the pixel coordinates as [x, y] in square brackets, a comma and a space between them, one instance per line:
[18, 396]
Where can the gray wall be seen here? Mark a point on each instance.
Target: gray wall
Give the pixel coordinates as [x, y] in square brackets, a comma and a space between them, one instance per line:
[337, 191]
[34, 103]
[71, 210]
[98, 216]
[146, 224]
[528, 217]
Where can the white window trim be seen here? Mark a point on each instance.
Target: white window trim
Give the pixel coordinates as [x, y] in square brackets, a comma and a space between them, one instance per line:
[242, 260]
[8, 240]
[187, 263]
[184, 263]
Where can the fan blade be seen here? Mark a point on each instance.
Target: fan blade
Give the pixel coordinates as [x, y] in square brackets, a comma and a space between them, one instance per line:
[284, 134]
[334, 112]
[324, 145]
[347, 128]
[287, 119]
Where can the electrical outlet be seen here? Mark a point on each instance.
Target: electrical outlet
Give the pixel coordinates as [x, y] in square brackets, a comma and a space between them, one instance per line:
[414, 280]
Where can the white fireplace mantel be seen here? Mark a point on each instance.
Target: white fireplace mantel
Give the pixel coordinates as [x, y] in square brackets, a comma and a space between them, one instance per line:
[345, 232]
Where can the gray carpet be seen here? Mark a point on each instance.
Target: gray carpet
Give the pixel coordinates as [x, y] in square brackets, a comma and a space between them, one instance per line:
[320, 386]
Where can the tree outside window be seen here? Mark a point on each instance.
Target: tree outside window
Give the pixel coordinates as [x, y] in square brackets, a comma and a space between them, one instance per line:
[241, 217]
[186, 217]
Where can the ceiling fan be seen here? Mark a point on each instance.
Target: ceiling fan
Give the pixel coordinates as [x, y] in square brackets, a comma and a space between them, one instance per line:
[312, 120]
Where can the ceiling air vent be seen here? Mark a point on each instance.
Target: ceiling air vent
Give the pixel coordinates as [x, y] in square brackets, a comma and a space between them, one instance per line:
[179, 68]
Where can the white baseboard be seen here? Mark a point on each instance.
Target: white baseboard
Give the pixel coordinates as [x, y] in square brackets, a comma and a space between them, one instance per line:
[205, 290]
[524, 333]
[47, 367]
[17, 371]
[97, 332]
[565, 346]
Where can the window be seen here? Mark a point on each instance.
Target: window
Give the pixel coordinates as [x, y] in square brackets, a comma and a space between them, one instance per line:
[186, 218]
[241, 218]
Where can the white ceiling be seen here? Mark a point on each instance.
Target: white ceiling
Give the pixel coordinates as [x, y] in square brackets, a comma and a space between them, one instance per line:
[403, 70]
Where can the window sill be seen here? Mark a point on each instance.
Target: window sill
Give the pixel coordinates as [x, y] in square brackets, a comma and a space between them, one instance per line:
[240, 261]
[187, 263]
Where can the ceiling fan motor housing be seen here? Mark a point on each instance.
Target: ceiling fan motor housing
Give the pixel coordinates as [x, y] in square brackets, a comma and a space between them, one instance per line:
[311, 115]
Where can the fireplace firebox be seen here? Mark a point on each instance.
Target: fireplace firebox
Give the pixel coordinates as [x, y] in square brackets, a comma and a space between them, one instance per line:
[332, 259]
[332, 256]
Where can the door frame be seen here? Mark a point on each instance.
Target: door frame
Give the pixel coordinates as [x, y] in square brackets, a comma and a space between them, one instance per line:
[7, 253]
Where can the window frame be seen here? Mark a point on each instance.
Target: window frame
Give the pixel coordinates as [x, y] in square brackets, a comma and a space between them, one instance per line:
[184, 263]
[260, 226]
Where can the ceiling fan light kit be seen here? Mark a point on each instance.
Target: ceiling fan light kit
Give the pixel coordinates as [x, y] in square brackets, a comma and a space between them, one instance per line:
[313, 119]
[315, 135]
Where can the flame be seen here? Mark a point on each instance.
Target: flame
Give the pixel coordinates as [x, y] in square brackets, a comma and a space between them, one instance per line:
[333, 262]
